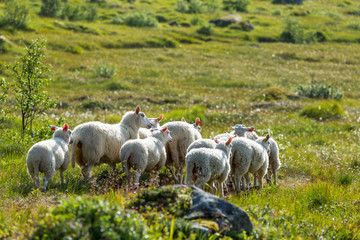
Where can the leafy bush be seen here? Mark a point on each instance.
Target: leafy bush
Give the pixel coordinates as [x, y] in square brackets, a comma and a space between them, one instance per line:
[321, 91]
[353, 26]
[277, 12]
[196, 20]
[50, 8]
[90, 218]
[190, 6]
[237, 5]
[117, 20]
[74, 12]
[170, 200]
[324, 111]
[140, 20]
[205, 30]
[15, 15]
[293, 32]
[105, 71]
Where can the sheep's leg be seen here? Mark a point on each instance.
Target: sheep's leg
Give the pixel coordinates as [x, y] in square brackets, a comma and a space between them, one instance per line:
[237, 179]
[137, 179]
[62, 176]
[268, 177]
[248, 181]
[86, 171]
[275, 177]
[260, 175]
[35, 177]
[255, 180]
[212, 186]
[47, 180]
[221, 189]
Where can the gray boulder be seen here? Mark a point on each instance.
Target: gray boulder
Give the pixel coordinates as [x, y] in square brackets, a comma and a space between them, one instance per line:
[230, 219]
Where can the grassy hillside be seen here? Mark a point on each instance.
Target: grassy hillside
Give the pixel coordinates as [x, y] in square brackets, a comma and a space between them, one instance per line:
[101, 68]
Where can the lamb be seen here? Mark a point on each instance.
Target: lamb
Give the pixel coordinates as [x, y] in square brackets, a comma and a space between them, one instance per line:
[248, 156]
[48, 156]
[145, 154]
[95, 143]
[202, 143]
[239, 130]
[144, 133]
[183, 135]
[204, 166]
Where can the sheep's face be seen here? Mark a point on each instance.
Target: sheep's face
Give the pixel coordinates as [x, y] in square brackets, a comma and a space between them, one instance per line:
[142, 119]
[156, 121]
[166, 133]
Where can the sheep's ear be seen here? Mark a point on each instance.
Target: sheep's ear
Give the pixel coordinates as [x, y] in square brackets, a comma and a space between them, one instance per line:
[251, 129]
[160, 118]
[215, 140]
[233, 128]
[198, 122]
[164, 129]
[229, 141]
[137, 110]
[66, 127]
[52, 127]
[183, 119]
[151, 130]
[266, 138]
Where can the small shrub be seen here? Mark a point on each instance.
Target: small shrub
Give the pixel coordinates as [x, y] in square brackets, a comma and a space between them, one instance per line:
[274, 94]
[74, 12]
[321, 91]
[212, 6]
[237, 5]
[140, 20]
[353, 26]
[316, 36]
[74, 49]
[277, 12]
[117, 20]
[90, 218]
[115, 86]
[293, 32]
[324, 111]
[15, 15]
[105, 71]
[205, 30]
[345, 179]
[316, 196]
[196, 20]
[50, 8]
[190, 6]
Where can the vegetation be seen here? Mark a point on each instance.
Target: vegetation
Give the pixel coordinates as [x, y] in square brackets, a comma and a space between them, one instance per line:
[15, 15]
[27, 83]
[222, 78]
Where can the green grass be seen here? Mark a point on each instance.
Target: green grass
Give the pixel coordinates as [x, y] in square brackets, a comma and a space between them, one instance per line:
[179, 72]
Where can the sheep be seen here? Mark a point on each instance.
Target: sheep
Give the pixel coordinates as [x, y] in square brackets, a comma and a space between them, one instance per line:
[239, 130]
[204, 166]
[48, 156]
[183, 135]
[94, 143]
[145, 154]
[144, 133]
[248, 156]
[202, 143]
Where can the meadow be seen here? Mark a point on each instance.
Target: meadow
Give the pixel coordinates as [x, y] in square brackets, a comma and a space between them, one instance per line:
[105, 65]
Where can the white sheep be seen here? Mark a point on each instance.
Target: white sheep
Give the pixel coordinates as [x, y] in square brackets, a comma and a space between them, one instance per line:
[183, 135]
[95, 143]
[239, 130]
[202, 143]
[204, 166]
[144, 132]
[248, 156]
[145, 154]
[48, 156]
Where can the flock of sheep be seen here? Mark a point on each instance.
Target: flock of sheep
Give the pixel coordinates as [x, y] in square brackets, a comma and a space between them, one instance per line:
[140, 143]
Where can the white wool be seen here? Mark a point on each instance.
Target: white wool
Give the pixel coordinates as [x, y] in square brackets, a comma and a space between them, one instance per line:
[95, 143]
[204, 166]
[202, 143]
[145, 154]
[48, 156]
[249, 156]
[144, 132]
[183, 135]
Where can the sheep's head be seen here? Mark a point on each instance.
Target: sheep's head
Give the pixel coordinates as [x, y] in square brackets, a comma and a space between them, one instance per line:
[63, 132]
[241, 129]
[165, 131]
[142, 119]
[264, 141]
[197, 124]
[156, 121]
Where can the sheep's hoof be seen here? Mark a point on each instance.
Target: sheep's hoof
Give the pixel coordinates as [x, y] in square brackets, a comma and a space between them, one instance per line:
[269, 181]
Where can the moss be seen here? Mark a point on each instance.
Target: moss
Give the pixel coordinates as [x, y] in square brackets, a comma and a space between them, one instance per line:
[323, 111]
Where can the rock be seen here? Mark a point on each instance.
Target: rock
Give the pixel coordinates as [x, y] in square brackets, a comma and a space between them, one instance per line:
[227, 217]
[174, 23]
[226, 21]
[247, 26]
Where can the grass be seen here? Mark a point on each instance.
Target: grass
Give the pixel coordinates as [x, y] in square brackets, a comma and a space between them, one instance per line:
[178, 72]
